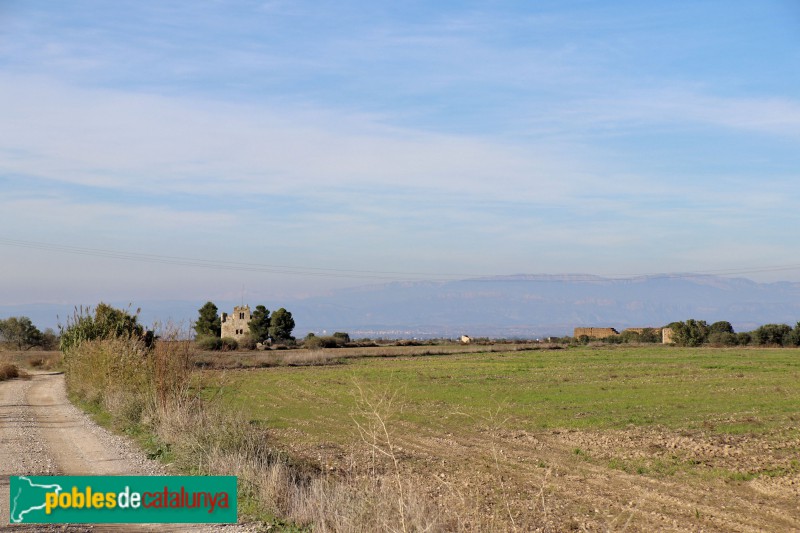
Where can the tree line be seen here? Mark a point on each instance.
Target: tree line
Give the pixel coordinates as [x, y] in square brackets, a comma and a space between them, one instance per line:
[697, 332]
[694, 332]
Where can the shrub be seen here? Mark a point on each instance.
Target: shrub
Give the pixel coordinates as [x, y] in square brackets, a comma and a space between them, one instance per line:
[106, 322]
[630, 336]
[247, 343]
[341, 337]
[650, 335]
[312, 342]
[50, 340]
[690, 333]
[792, 338]
[722, 326]
[723, 338]
[8, 371]
[208, 343]
[771, 334]
[229, 344]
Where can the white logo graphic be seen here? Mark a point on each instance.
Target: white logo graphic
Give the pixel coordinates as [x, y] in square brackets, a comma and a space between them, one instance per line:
[17, 516]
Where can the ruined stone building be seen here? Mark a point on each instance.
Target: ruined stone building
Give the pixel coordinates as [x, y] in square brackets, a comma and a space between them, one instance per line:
[641, 330]
[597, 333]
[236, 325]
[602, 333]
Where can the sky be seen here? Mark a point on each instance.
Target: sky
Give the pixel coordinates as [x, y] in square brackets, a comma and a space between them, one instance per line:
[202, 150]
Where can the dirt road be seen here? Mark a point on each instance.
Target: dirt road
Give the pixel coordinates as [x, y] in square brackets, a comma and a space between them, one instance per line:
[42, 433]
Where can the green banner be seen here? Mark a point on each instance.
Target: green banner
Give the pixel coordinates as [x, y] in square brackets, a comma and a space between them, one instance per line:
[122, 499]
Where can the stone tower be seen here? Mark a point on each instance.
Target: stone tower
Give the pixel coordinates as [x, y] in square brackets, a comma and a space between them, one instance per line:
[236, 325]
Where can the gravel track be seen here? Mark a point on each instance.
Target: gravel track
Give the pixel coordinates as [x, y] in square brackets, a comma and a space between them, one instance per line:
[42, 433]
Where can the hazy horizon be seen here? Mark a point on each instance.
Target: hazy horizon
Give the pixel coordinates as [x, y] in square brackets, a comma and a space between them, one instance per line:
[525, 306]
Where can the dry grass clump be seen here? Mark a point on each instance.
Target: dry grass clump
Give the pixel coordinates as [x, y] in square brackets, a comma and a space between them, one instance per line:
[8, 371]
[326, 503]
[172, 368]
[36, 361]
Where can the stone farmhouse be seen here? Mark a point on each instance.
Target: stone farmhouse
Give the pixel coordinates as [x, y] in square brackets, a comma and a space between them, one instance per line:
[597, 333]
[236, 325]
[602, 333]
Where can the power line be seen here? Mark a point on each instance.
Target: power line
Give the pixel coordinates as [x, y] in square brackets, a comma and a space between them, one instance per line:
[228, 265]
[352, 273]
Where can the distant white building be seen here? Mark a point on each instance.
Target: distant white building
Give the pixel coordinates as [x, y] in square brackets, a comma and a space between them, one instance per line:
[466, 339]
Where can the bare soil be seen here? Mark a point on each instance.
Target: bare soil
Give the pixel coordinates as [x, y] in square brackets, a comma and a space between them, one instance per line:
[577, 481]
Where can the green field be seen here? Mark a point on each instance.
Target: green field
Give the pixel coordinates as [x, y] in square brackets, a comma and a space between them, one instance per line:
[729, 391]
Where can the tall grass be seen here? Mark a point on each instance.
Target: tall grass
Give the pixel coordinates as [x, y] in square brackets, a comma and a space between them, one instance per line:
[172, 367]
[114, 374]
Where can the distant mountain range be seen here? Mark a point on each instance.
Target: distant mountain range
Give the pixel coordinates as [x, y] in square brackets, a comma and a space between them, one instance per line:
[543, 305]
[526, 306]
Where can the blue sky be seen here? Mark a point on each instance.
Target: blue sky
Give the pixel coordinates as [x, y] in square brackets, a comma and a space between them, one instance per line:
[410, 140]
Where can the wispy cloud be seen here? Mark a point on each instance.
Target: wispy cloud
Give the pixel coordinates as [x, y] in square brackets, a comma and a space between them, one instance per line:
[129, 140]
[482, 139]
[687, 109]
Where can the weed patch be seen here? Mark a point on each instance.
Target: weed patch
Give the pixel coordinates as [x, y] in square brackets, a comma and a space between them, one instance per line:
[8, 371]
